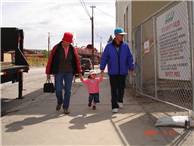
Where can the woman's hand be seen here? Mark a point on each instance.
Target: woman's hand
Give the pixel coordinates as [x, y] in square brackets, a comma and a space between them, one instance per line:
[48, 76]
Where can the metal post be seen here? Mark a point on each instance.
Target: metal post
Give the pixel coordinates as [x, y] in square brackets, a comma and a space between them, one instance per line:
[92, 22]
[48, 43]
[141, 56]
[191, 11]
[155, 57]
[20, 84]
[20, 73]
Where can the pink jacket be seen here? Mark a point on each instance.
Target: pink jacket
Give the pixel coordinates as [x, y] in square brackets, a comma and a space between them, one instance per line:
[92, 84]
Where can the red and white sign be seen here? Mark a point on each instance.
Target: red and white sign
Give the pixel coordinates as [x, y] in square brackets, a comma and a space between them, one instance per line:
[146, 46]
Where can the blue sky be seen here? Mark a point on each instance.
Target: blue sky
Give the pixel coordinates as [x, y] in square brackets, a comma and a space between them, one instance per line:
[38, 17]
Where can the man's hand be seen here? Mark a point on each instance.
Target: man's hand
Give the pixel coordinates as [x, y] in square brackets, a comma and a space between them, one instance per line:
[102, 73]
[132, 73]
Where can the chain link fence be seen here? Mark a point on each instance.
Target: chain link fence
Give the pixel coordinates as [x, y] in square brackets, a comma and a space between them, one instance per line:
[164, 55]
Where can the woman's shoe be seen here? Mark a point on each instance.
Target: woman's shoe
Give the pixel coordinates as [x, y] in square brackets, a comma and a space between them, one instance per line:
[58, 107]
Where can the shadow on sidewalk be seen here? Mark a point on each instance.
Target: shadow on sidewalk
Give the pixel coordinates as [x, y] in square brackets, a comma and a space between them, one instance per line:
[134, 124]
[141, 131]
[84, 119]
[8, 104]
[19, 125]
[12, 106]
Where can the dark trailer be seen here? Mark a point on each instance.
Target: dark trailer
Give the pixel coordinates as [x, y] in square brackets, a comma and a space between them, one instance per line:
[12, 41]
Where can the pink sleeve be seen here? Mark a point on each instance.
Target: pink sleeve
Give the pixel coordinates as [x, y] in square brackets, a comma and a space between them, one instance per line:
[99, 79]
[85, 81]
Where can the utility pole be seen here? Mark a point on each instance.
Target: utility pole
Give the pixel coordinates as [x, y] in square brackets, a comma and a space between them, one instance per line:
[92, 21]
[100, 45]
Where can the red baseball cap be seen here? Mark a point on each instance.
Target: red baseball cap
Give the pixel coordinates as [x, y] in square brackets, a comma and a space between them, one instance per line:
[68, 37]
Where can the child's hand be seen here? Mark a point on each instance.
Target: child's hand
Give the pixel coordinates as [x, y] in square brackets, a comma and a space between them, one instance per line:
[102, 74]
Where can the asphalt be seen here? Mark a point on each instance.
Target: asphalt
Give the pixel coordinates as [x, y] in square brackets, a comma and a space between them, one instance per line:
[35, 121]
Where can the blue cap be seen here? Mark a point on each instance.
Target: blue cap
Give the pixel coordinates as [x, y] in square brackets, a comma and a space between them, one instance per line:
[119, 30]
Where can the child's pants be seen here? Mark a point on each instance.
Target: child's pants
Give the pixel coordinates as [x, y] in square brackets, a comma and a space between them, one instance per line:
[94, 97]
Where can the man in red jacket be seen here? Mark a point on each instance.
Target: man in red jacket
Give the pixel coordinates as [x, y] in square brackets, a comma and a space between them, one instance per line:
[63, 63]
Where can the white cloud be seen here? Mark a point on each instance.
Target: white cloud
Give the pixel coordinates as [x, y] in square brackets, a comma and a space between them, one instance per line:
[38, 17]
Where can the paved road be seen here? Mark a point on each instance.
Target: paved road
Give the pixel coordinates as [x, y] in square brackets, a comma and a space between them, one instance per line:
[32, 82]
[9, 90]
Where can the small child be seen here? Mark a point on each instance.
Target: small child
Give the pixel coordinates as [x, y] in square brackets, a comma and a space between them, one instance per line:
[92, 84]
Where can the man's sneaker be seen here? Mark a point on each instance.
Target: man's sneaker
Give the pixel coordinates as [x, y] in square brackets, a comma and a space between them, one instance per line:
[94, 107]
[58, 107]
[66, 111]
[115, 110]
[120, 104]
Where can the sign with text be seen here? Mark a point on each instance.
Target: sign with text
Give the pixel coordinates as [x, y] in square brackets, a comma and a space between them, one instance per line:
[146, 46]
[173, 44]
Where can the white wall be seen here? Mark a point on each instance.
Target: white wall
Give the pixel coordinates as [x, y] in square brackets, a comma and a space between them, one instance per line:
[124, 17]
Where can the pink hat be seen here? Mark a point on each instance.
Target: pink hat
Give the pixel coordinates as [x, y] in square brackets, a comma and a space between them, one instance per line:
[68, 37]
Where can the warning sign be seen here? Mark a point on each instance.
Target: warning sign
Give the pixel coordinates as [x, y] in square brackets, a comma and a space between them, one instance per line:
[173, 44]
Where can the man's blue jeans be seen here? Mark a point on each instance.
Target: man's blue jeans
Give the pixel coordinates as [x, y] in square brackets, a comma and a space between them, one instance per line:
[63, 81]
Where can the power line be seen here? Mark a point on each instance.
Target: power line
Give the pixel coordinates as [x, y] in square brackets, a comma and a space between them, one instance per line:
[84, 4]
[105, 13]
[85, 8]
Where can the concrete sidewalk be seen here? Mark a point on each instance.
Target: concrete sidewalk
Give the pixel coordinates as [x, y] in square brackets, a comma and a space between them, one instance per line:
[36, 122]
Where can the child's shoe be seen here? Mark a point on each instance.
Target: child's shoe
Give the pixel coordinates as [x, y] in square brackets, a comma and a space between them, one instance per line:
[89, 104]
[94, 107]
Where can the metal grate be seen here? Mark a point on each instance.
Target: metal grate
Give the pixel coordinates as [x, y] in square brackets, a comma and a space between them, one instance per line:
[164, 55]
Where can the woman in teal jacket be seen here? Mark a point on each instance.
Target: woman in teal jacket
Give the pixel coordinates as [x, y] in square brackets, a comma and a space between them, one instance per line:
[120, 60]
